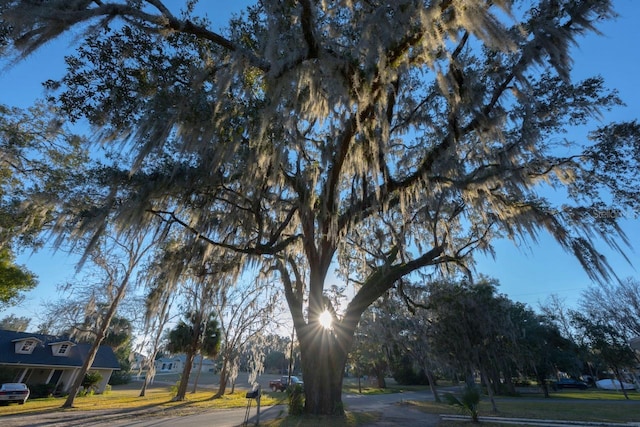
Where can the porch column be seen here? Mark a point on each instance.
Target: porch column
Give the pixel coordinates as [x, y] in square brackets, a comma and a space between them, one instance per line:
[50, 375]
[74, 375]
[22, 375]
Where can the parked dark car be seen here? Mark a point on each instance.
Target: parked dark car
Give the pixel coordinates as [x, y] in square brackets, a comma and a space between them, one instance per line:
[570, 383]
[283, 382]
[13, 392]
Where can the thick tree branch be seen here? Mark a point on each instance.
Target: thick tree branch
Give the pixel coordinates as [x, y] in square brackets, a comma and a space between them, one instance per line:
[257, 249]
[383, 279]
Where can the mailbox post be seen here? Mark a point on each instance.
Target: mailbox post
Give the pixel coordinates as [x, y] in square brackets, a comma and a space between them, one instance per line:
[254, 394]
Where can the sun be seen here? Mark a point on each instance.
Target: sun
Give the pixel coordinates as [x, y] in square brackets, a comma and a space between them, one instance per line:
[325, 319]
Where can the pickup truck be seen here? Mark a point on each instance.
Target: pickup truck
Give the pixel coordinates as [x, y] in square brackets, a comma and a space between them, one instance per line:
[282, 383]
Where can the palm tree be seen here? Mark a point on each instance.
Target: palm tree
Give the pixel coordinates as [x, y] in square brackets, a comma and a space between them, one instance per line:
[201, 333]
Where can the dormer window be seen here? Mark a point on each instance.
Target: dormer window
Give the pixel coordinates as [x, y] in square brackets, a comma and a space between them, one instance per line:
[26, 345]
[62, 348]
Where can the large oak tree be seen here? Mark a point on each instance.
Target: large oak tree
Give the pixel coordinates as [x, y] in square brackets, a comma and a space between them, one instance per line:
[382, 137]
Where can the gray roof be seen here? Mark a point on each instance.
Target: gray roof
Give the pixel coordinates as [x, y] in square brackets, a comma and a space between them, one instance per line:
[42, 354]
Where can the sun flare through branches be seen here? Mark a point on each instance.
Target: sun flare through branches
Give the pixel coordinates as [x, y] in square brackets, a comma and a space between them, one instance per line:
[325, 319]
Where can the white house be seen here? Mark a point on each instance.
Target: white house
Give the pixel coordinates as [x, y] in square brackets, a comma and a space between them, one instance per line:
[175, 364]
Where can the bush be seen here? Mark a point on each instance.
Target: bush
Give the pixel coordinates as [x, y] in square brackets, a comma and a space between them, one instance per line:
[174, 388]
[404, 373]
[119, 378]
[296, 399]
[90, 381]
[468, 401]
[42, 390]
[522, 382]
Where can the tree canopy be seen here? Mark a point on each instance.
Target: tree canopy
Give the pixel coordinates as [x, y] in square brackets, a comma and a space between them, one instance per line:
[385, 138]
[14, 279]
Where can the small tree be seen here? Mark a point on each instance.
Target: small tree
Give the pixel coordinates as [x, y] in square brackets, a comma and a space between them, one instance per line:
[373, 345]
[246, 311]
[116, 263]
[609, 342]
[198, 333]
[467, 402]
[90, 381]
[158, 302]
[473, 325]
[540, 348]
[119, 337]
[618, 301]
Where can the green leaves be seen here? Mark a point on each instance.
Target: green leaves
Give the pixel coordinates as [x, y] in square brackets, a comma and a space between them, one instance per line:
[14, 279]
[467, 402]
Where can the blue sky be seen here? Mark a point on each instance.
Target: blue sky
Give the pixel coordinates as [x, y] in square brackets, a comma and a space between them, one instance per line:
[527, 274]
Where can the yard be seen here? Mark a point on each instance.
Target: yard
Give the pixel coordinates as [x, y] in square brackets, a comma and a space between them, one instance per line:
[591, 405]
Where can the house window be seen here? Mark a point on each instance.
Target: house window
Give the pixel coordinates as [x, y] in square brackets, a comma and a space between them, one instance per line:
[27, 346]
[63, 349]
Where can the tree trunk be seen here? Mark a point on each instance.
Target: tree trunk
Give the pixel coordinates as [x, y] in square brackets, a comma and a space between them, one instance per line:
[382, 383]
[432, 385]
[223, 379]
[195, 381]
[511, 387]
[619, 377]
[151, 372]
[184, 379]
[323, 360]
[324, 351]
[73, 391]
[485, 378]
[163, 318]
[542, 380]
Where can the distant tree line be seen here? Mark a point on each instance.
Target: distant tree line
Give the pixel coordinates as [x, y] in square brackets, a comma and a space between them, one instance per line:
[470, 332]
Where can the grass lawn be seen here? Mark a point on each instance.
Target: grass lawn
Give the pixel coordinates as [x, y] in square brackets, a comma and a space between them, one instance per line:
[157, 397]
[591, 405]
[350, 385]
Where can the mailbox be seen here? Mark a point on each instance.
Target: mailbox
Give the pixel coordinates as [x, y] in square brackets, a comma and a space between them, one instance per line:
[253, 394]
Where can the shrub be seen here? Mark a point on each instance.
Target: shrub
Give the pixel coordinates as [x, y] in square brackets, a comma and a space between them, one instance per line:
[296, 399]
[405, 374]
[42, 390]
[90, 381]
[174, 388]
[522, 382]
[468, 401]
[119, 378]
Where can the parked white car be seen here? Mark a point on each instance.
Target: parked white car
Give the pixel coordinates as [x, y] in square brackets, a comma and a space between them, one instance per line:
[14, 392]
[611, 384]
